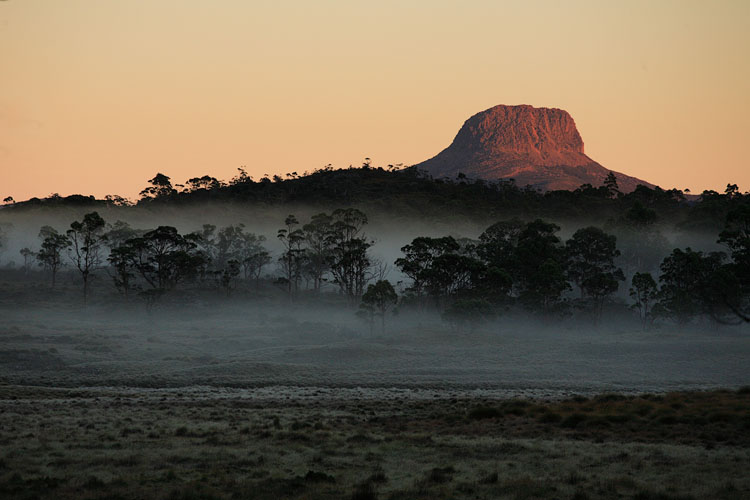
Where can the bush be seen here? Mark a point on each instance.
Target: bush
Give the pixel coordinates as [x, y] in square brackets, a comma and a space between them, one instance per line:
[572, 421]
[365, 491]
[318, 477]
[482, 412]
[441, 475]
[550, 418]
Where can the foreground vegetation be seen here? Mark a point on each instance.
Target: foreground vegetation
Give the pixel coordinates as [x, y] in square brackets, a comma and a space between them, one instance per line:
[185, 444]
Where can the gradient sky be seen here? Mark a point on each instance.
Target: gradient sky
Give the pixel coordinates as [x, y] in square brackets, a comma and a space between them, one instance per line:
[96, 96]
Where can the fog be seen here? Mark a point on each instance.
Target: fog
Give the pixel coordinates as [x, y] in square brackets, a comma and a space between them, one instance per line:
[257, 345]
[388, 232]
[258, 336]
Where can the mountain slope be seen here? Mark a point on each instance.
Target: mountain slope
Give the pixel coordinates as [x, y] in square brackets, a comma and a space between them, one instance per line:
[535, 146]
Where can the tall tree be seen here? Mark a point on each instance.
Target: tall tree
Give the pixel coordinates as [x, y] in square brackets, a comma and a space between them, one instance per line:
[85, 246]
[205, 183]
[164, 258]
[610, 184]
[686, 284]
[377, 301]
[317, 239]
[417, 262]
[644, 293]
[228, 275]
[498, 243]
[50, 253]
[116, 234]
[590, 252]
[27, 255]
[122, 258]
[449, 276]
[348, 259]
[736, 236]
[205, 240]
[253, 256]
[590, 257]
[229, 241]
[292, 257]
[160, 187]
[639, 239]
[540, 267]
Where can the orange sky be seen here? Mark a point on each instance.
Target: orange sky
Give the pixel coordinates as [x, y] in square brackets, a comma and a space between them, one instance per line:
[96, 96]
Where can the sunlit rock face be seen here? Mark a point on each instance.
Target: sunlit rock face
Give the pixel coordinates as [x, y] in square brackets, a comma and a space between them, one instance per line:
[535, 146]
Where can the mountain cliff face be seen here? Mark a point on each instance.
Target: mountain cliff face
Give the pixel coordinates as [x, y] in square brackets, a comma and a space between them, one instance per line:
[536, 146]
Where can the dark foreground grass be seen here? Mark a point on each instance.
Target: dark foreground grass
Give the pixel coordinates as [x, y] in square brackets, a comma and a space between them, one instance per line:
[97, 443]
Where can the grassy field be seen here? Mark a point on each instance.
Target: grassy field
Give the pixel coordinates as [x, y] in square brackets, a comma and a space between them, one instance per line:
[220, 443]
[233, 402]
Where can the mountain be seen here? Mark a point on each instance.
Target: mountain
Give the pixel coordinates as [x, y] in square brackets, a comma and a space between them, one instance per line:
[540, 147]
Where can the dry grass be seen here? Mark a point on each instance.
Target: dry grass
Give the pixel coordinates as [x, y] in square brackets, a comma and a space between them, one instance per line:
[109, 443]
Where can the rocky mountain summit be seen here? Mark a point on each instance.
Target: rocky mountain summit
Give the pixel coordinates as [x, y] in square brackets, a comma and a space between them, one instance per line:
[535, 146]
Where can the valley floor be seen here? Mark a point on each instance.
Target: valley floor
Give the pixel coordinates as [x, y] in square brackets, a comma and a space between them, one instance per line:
[207, 402]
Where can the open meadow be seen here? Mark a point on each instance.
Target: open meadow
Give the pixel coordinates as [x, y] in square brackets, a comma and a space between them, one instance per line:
[226, 401]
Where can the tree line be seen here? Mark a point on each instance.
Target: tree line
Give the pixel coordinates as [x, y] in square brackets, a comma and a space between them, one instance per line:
[513, 265]
[409, 191]
[525, 265]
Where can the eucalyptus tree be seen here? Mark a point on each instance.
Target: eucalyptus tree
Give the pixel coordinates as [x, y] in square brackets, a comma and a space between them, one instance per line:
[204, 183]
[736, 236]
[317, 238]
[591, 265]
[228, 243]
[540, 267]
[687, 284]
[644, 292]
[50, 253]
[451, 275]
[418, 259]
[205, 241]
[292, 238]
[253, 256]
[377, 301]
[348, 259]
[228, 275]
[119, 232]
[160, 187]
[27, 255]
[641, 243]
[121, 259]
[163, 258]
[610, 184]
[86, 243]
[497, 244]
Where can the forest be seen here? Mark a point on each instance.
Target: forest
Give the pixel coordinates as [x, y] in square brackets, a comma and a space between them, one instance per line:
[618, 260]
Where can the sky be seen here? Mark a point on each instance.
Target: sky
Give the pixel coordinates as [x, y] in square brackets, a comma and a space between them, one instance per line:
[97, 96]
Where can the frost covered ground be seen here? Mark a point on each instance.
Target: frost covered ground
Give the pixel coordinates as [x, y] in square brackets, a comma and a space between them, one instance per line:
[205, 403]
[329, 350]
